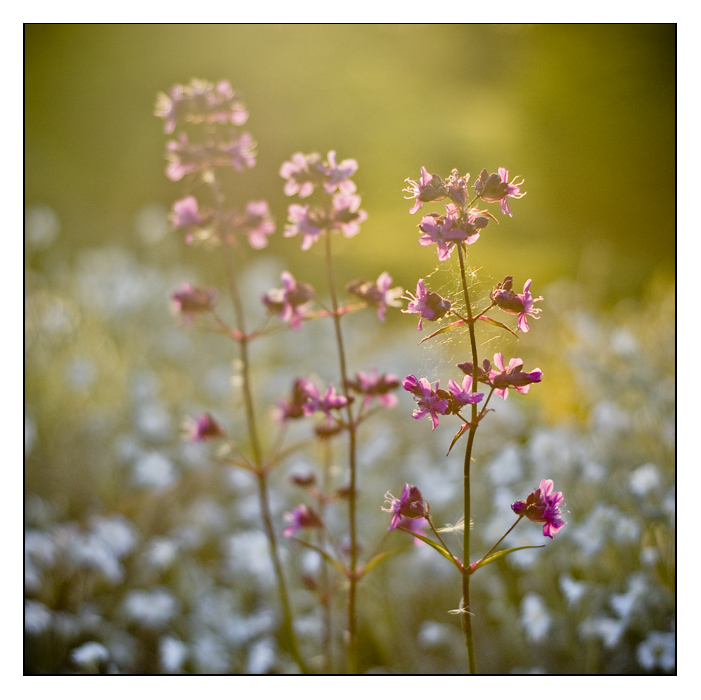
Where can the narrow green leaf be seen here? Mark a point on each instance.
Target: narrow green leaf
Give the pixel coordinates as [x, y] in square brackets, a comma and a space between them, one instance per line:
[324, 554]
[497, 323]
[503, 553]
[374, 561]
[445, 329]
[433, 544]
[465, 427]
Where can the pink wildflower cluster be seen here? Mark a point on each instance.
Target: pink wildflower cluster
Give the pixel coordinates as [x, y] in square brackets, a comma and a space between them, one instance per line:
[340, 210]
[543, 506]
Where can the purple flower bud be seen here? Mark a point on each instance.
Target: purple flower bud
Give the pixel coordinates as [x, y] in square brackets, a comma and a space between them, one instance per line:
[189, 300]
[429, 188]
[302, 517]
[410, 505]
[496, 188]
[205, 427]
[428, 305]
[377, 293]
[543, 506]
[289, 302]
[518, 304]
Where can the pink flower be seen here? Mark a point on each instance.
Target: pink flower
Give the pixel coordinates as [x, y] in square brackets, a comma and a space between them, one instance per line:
[346, 215]
[257, 224]
[496, 188]
[462, 394]
[289, 302]
[410, 505]
[427, 304]
[518, 304]
[205, 427]
[450, 228]
[189, 300]
[303, 174]
[339, 175]
[430, 402]
[543, 506]
[511, 376]
[300, 518]
[301, 222]
[377, 293]
[328, 402]
[429, 188]
[375, 384]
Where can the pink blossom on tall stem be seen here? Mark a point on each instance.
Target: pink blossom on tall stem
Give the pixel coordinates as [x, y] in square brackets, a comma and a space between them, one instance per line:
[289, 302]
[543, 506]
[511, 376]
[303, 174]
[375, 384]
[462, 394]
[339, 174]
[518, 304]
[497, 188]
[430, 402]
[429, 305]
[205, 427]
[451, 228]
[189, 300]
[257, 224]
[429, 188]
[300, 518]
[409, 505]
[346, 216]
[328, 402]
[378, 293]
[300, 222]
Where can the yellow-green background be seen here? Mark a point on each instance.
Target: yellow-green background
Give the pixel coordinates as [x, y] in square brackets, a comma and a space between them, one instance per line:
[585, 113]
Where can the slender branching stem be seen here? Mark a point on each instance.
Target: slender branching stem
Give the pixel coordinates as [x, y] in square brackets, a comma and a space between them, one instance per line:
[467, 616]
[352, 429]
[260, 469]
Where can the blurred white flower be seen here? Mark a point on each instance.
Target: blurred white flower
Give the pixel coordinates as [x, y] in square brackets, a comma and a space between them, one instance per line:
[116, 532]
[505, 467]
[41, 226]
[573, 590]
[89, 551]
[153, 470]
[173, 654]
[89, 656]
[535, 617]
[153, 608]
[37, 617]
[151, 223]
[153, 421]
[644, 479]
[624, 603]
[607, 629]
[658, 651]
[161, 553]
[261, 656]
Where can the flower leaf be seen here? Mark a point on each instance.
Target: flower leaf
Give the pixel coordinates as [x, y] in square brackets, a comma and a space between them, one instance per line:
[497, 323]
[463, 429]
[433, 544]
[503, 553]
[445, 329]
[374, 561]
[324, 554]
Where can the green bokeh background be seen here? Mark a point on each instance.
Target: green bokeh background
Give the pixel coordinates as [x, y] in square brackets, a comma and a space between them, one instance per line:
[585, 113]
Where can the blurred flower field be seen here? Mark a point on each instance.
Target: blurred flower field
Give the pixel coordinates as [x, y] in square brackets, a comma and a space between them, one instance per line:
[144, 553]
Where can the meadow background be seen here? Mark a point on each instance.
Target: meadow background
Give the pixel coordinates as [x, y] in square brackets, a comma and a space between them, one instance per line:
[134, 541]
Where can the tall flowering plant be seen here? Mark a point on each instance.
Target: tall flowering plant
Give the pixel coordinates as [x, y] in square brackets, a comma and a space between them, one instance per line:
[208, 148]
[460, 226]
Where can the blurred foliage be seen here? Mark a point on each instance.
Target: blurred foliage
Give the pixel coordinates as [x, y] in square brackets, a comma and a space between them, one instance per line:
[585, 113]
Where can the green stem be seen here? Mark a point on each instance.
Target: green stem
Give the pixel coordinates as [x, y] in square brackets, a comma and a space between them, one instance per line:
[501, 539]
[467, 613]
[352, 613]
[261, 471]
